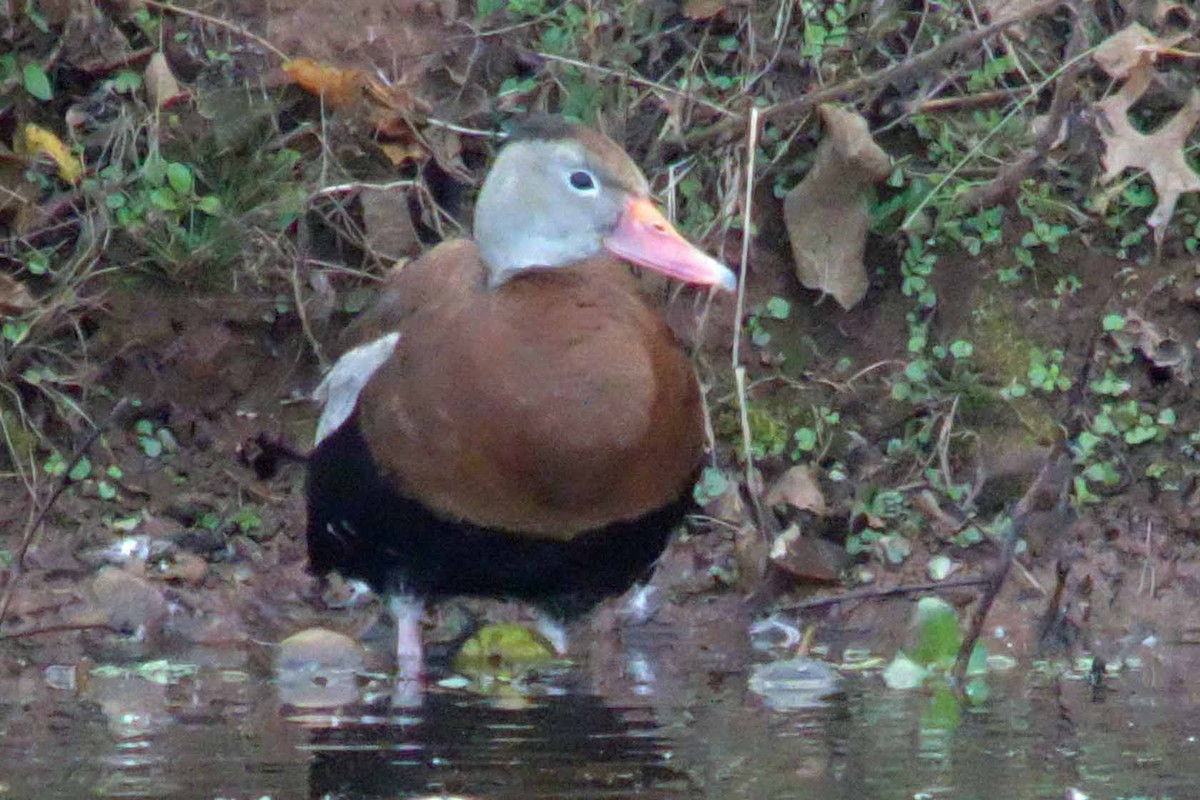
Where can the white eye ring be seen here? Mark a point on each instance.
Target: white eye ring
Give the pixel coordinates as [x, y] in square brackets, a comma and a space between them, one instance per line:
[583, 181]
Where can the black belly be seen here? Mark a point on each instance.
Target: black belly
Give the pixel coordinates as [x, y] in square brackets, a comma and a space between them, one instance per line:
[359, 525]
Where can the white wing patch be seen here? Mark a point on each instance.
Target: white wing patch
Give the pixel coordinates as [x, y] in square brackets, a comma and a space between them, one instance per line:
[338, 392]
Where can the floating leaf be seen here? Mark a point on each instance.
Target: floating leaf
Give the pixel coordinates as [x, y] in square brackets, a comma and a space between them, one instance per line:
[503, 649]
[904, 673]
[937, 635]
[793, 683]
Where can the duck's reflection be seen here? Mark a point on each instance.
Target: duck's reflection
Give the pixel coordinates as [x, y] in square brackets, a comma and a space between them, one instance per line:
[565, 745]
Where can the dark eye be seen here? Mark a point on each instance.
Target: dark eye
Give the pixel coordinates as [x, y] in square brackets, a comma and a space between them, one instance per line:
[582, 180]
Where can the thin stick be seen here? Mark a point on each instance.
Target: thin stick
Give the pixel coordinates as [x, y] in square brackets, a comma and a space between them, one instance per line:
[748, 200]
[35, 522]
[922, 61]
[876, 594]
[69, 627]
[640, 81]
[1008, 550]
[966, 159]
[739, 370]
[221, 23]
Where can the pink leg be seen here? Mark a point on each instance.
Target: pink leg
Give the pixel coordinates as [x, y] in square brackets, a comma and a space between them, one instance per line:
[407, 611]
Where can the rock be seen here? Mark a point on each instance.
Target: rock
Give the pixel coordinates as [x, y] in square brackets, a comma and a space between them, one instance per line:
[129, 602]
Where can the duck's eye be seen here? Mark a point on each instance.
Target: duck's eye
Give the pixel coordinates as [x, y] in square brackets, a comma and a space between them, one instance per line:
[582, 181]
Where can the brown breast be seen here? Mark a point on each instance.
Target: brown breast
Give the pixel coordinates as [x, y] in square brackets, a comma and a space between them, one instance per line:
[556, 404]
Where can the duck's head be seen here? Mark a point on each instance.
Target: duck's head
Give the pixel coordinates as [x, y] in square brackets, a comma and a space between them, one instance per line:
[560, 192]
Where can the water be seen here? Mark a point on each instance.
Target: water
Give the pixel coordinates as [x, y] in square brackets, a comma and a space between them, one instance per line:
[221, 731]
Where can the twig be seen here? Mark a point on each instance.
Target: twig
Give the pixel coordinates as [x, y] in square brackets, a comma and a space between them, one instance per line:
[35, 521]
[347, 188]
[918, 63]
[987, 137]
[1010, 176]
[963, 101]
[68, 627]
[643, 82]
[739, 370]
[220, 23]
[995, 581]
[875, 594]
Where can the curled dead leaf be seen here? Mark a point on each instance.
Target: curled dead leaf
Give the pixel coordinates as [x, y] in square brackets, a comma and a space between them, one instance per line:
[161, 86]
[826, 213]
[15, 297]
[338, 87]
[797, 487]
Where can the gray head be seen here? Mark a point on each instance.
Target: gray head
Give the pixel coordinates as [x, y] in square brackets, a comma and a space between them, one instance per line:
[560, 192]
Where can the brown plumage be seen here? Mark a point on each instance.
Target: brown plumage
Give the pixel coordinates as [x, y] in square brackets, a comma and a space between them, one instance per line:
[556, 405]
[513, 417]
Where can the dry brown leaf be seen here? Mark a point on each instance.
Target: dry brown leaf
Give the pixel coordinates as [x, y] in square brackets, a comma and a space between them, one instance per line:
[1126, 50]
[805, 557]
[336, 86]
[703, 9]
[826, 213]
[729, 507]
[15, 297]
[161, 86]
[797, 487]
[400, 153]
[1160, 154]
[388, 226]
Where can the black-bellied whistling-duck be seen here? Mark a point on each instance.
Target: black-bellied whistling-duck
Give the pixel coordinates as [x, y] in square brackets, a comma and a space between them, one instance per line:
[515, 419]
